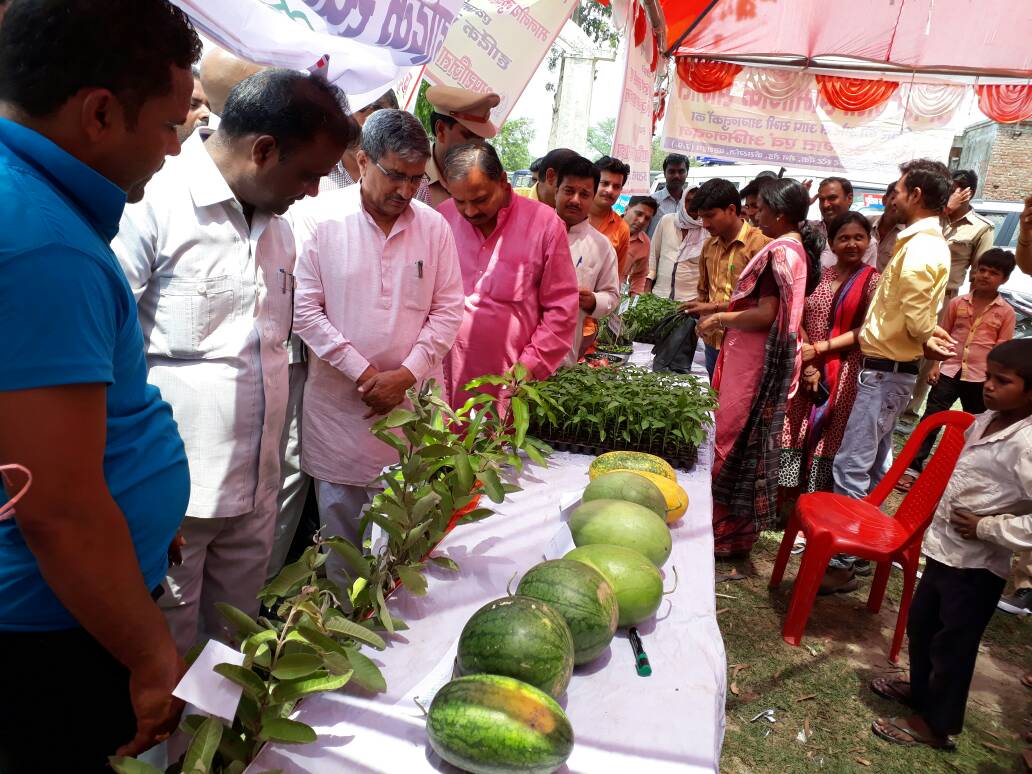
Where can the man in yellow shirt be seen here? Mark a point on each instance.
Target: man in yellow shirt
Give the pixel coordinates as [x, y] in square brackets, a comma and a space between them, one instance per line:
[732, 244]
[900, 327]
[548, 175]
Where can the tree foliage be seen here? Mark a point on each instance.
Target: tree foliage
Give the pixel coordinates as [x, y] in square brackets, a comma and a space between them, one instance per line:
[600, 137]
[512, 141]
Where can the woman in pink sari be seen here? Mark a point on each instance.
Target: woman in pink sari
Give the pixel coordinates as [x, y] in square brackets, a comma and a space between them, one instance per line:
[759, 366]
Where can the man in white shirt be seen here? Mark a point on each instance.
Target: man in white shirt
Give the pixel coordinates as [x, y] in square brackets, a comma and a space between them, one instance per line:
[211, 261]
[379, 302]
[835, 197]
[593, 256]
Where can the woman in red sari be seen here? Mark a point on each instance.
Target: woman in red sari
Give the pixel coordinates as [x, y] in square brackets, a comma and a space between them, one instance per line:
[759, 368]
[816, 417]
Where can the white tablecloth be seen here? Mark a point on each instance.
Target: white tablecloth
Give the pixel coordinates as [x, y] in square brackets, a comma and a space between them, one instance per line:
[672, 721]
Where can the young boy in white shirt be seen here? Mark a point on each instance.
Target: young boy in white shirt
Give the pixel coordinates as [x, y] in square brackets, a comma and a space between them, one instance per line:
[984, 515]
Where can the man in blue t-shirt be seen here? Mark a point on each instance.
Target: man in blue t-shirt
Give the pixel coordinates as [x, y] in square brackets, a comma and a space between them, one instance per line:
[89, 661]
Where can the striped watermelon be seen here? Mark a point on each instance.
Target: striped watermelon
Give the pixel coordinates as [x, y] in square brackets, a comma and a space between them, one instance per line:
[582, 597]
[518, 637]
[489, 724]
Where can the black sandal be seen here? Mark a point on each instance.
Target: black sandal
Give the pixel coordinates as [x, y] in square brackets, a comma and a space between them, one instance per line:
[899, 731]
[893, 689]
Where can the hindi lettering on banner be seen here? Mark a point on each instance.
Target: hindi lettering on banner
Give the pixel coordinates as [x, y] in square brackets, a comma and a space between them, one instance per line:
[740, 124]
[366, 41]
[497, 45]
[632, 141]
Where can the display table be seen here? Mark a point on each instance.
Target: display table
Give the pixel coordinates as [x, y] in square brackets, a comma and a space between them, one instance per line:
[672, 721]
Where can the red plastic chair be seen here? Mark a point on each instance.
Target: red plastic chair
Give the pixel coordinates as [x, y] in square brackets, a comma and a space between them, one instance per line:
[836, 524]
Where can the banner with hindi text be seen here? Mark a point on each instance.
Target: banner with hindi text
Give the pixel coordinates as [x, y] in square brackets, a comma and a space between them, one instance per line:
[632, 140]
[800, 130]
[497, 45]
[365, 42]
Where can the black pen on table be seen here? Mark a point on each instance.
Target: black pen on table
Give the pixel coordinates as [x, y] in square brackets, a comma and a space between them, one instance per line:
[641, 661]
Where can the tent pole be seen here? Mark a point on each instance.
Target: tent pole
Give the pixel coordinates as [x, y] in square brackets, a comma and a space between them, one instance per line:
[691, 28]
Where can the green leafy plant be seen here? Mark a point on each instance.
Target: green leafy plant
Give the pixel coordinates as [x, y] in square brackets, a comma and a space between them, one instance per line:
[309, 647]
[313, 642]
[644, 314]
[448, 459]
[628, 409]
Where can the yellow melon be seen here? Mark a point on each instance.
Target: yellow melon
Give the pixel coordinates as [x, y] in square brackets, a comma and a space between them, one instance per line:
[673, 493]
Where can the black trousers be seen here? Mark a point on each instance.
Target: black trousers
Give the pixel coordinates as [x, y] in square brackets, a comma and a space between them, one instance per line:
[948, 615]
[65, 703]
[944, 394]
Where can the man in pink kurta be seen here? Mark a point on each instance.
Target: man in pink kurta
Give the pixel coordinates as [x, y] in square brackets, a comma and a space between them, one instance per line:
[378, 303]
[519, 280]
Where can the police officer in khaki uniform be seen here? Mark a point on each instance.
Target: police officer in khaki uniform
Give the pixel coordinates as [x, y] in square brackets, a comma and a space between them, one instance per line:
[459, 116]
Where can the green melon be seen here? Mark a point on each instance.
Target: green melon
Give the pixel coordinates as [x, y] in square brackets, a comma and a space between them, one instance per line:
[489, 724]
[629, 486]
[518, 637]
[635, 580]
[582, 597]
[620, 523]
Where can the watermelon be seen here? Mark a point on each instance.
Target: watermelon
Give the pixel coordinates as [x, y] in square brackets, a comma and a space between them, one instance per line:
[620, 523]
[635, 580]
[626, 460]
[490, 724]
[627, 485]
[518, 637]
[582, 597]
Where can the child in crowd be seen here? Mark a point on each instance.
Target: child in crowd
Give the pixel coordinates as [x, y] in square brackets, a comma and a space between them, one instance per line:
[985, 514]
[978, 321]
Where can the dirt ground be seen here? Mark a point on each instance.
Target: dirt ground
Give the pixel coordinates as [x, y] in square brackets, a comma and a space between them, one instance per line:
[822, 705]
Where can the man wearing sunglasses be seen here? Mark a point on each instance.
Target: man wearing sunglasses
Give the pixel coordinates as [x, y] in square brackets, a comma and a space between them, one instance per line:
[379, 302]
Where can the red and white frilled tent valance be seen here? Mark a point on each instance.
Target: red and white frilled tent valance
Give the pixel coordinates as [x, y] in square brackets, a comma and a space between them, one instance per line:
[912, 44]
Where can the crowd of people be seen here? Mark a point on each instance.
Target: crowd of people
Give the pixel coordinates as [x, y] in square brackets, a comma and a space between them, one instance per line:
[216, 278]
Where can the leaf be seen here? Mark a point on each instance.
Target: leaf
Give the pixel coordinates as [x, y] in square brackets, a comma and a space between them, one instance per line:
[445, 562]
[492, 485]
[476, 515]
[396, 418]
[123, 765]
[233, 747]
[536, 456]
[352, 557]
[241, 621]
[521, 419]
[412, 579]
[296, 665]
[289, 577]
[367, 674]
[295, 689]
[322, 642]
[203, 746]
[288, 731]
[356, 631]
[463, 471]
[251, 645]
[245, 678]
[423, 506]
[435, 451]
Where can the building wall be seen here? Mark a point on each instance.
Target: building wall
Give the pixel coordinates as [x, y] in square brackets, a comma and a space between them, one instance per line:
[1001, 154]
[1009, 176]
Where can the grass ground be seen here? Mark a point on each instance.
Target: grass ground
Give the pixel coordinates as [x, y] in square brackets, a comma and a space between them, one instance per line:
[822, 705]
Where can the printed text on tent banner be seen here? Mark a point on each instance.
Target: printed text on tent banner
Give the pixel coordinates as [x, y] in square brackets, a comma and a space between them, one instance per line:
[632, 142]
[739, 124]
[497, 45]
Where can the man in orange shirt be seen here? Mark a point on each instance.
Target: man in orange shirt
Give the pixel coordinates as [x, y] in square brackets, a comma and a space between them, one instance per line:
[638, 215]
[613, 177]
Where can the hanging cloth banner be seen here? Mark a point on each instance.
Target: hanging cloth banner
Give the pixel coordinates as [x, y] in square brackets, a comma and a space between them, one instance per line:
[632, 140]
[497, 45]
[743, 123]
[366, 42]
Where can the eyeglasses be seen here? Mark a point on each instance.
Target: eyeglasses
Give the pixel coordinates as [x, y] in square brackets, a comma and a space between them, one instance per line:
[399, 179]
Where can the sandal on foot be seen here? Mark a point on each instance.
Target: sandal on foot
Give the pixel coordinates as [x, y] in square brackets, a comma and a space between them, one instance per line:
[905, 482]
[893, 689]
[899, 731]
